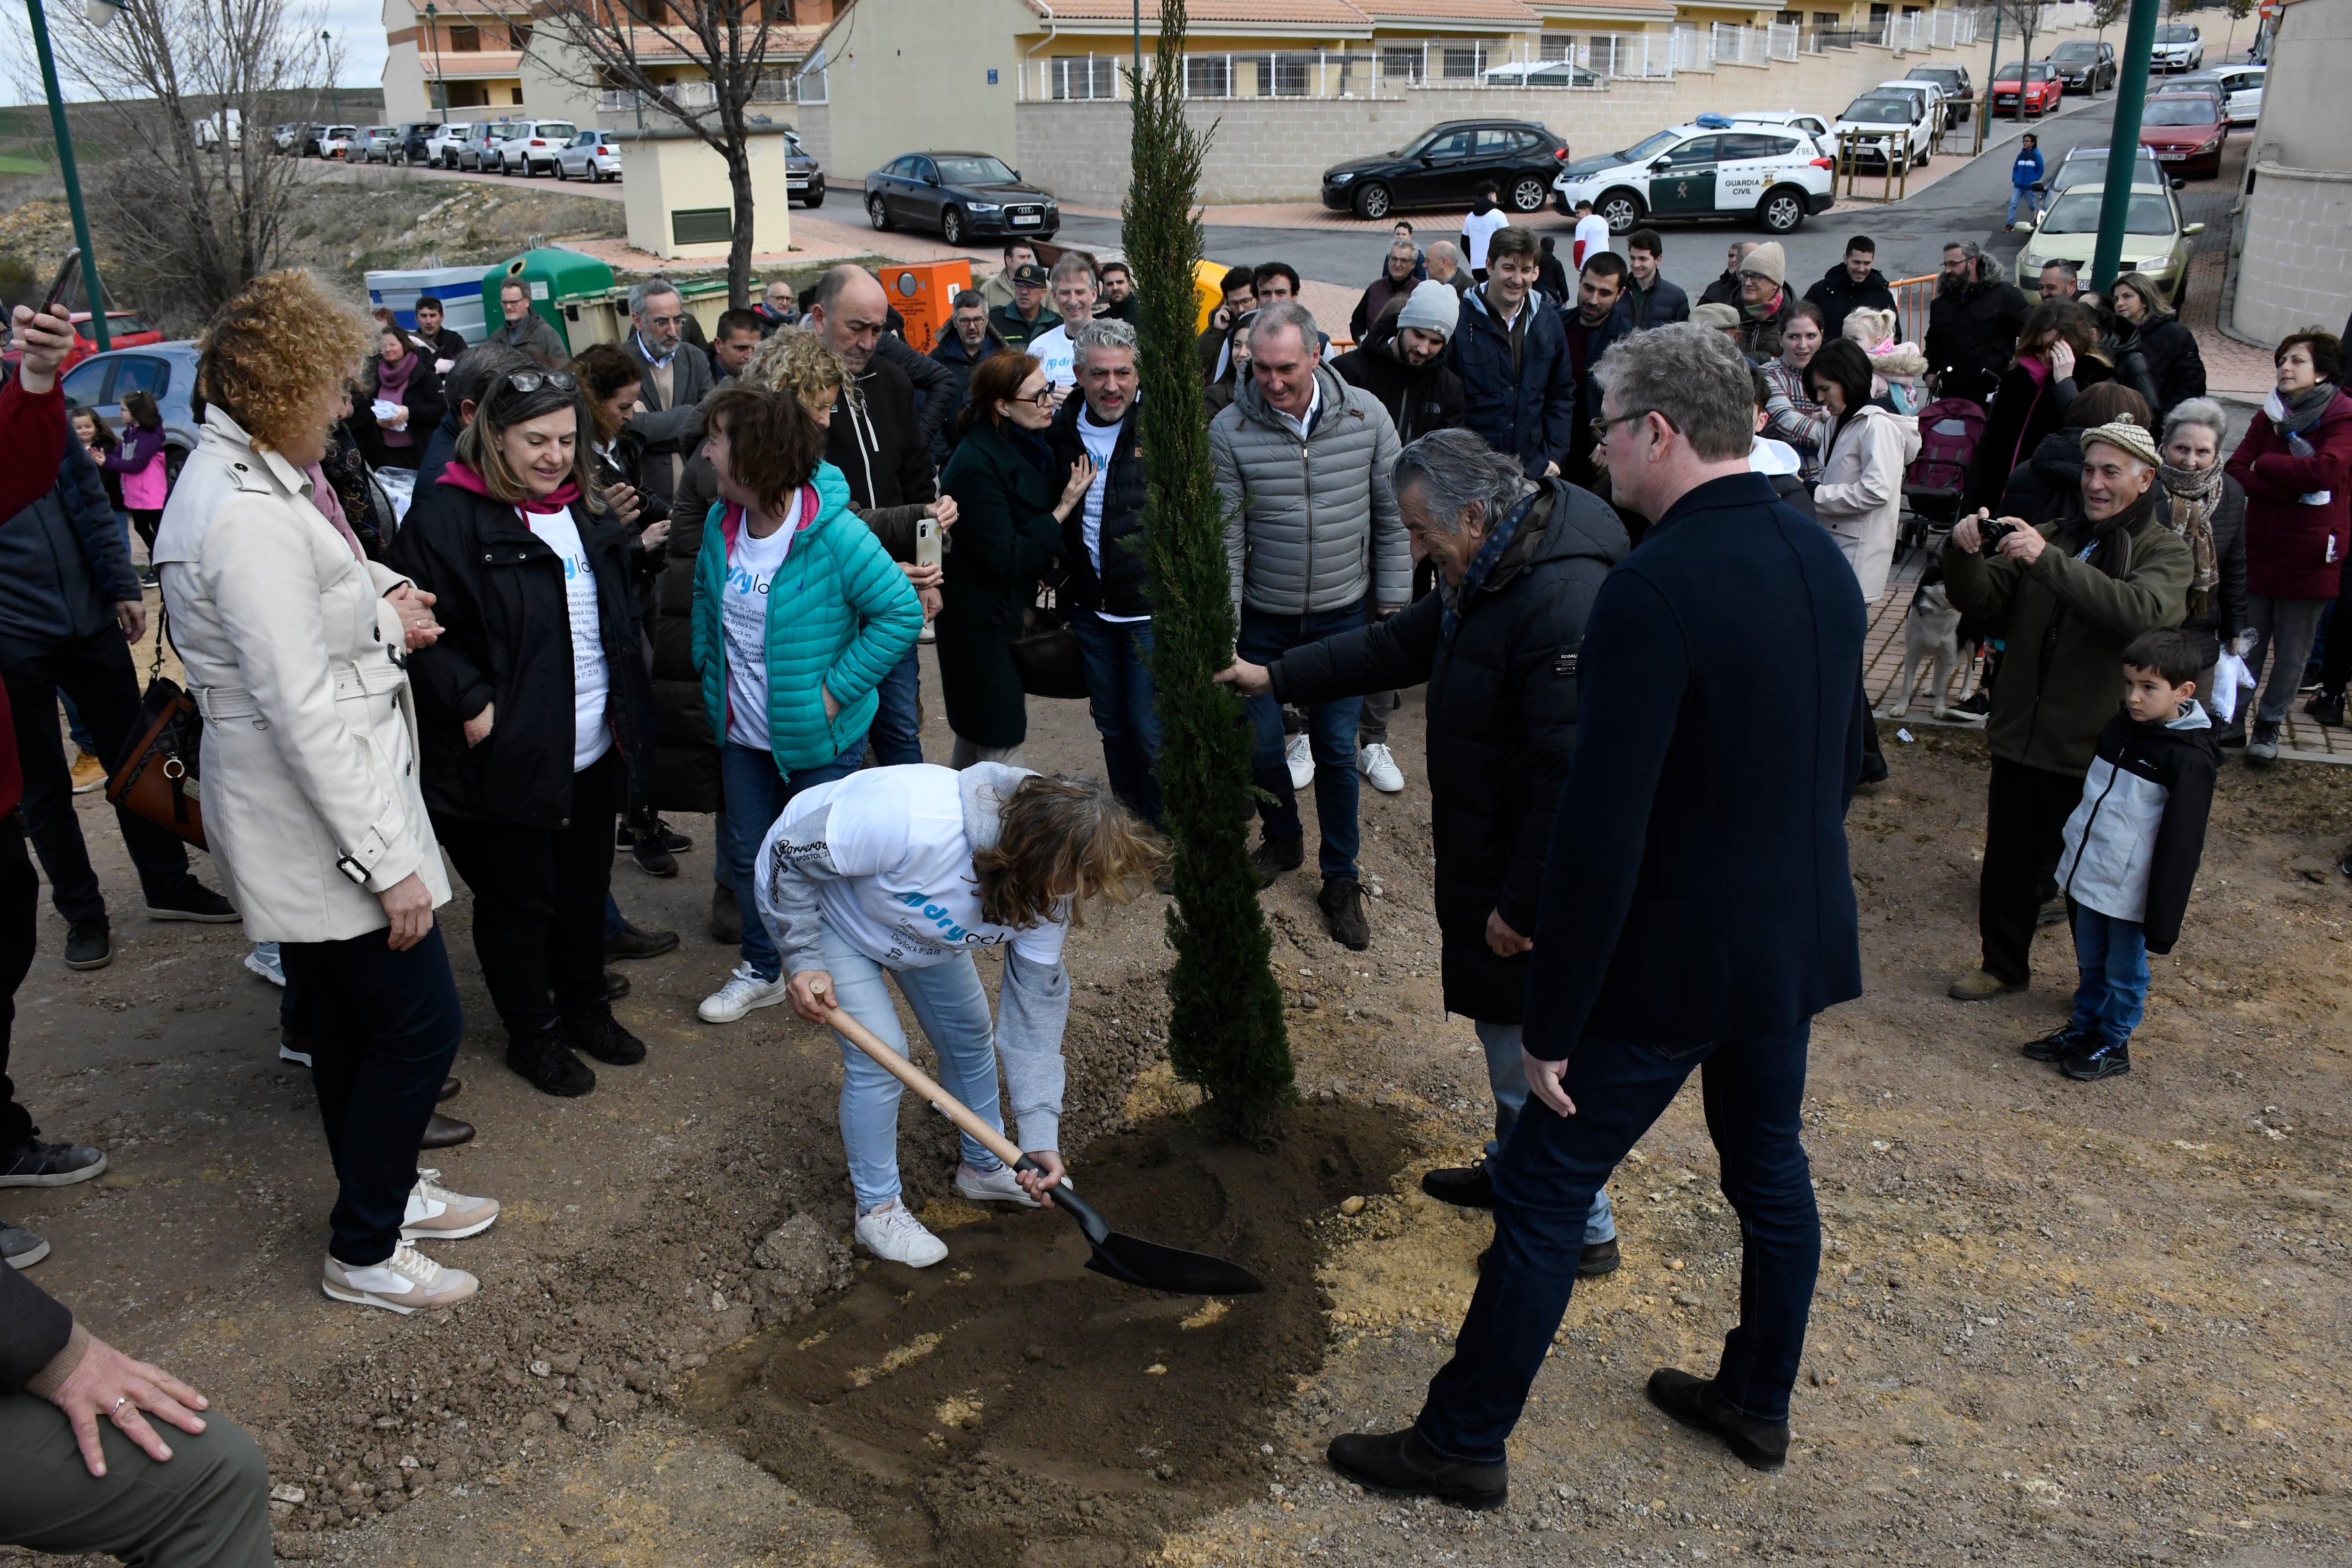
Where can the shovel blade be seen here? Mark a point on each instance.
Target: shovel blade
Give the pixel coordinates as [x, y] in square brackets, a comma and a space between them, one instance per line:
[1168, 1269]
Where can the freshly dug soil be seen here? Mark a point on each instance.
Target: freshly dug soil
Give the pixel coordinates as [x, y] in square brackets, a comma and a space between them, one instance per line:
[1009, 1406]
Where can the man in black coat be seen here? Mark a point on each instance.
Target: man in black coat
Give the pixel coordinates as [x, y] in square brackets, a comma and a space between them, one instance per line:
[1696, 911]
[1853, 284]
[1650, 300]
[1724, 289]
[1972, 326]
[1402, 361]
[1518, 565]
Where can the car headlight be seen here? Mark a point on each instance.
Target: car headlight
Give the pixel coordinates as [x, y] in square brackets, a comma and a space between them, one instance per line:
[985, 207]
[1343, 176]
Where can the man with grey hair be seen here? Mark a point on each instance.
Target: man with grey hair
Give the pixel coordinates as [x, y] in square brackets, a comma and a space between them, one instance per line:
[1518, 567]
[1108, 587]
[1699, 910]
[2061, 278]
[1075, 285]
[1442, 261]
[671, 393]
[1302, 459]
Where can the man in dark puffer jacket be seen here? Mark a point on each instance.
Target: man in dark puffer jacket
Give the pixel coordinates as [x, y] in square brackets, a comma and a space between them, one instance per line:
[1497, 644]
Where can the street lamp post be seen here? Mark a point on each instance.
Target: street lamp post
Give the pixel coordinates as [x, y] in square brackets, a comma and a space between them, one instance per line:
[334, 103]
[440, 88]
[100, 13]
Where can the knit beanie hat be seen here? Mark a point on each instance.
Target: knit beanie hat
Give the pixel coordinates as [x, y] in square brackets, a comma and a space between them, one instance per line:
[2124, 434]
[1433, 306]
[1721, 318]
[1770, 260]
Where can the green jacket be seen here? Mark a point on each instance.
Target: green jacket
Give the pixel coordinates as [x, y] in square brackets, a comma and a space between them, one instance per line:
[1017, 332]
[840, 616]
[1005, 537]
[2061, 668]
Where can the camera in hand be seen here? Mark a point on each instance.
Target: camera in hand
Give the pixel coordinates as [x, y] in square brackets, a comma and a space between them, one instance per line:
[1991, 532]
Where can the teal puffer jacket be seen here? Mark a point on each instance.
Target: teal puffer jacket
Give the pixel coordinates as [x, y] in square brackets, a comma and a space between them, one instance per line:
[840, 617]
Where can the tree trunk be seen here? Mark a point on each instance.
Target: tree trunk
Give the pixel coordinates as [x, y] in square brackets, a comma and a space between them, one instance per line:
[739, 248]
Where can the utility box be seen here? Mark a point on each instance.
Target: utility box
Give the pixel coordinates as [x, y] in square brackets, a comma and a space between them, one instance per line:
[459, 290]
[564, 285]
[681, 200]
[924, 294]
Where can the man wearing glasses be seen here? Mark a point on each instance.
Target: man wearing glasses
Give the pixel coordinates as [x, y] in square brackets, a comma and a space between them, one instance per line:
[672, 392]
[524, 328]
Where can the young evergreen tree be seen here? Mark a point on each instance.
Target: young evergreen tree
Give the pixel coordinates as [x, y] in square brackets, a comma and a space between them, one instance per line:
[1225, 1028]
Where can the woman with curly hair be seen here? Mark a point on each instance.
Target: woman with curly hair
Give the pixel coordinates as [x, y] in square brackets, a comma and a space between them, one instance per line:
[294, 648]
[905, 873]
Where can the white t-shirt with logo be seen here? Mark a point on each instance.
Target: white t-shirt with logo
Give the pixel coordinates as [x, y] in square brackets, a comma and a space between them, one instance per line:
[1478, 228]
[1056, 357]
[901, 890]
[592, 679]
[743, 621]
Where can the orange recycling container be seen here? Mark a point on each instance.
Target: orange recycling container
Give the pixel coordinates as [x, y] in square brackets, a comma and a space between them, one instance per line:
[924, 292]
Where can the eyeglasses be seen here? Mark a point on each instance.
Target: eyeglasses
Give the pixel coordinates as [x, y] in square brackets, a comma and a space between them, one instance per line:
[1754, 278]
[528, 381]
[1044, 397]
[1601, 426]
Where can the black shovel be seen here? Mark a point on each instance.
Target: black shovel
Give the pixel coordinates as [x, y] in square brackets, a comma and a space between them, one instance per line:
[1127, 1258]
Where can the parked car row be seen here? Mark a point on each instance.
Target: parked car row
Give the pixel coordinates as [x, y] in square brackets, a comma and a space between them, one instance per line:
[299, 138]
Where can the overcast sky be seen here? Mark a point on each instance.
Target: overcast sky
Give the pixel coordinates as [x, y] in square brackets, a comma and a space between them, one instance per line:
[357, 25]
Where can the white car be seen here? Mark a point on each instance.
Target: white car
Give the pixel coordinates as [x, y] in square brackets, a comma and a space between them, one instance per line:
[2179, 47]
[1928, 90]
[1541, 73]
[591, 157]
[530, 145]
[337, 141]
[441, 147]
[1713, 167]
[1816, 126]
[2245, 86]
[1889, 129]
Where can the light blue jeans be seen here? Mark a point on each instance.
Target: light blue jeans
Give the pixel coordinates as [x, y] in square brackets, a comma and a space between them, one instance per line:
[1507, 1073]
[952, 1008]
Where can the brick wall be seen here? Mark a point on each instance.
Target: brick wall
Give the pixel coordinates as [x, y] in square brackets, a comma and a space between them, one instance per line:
[2297, 267]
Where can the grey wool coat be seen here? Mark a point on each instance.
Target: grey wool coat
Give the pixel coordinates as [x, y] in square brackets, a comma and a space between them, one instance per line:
[1313, 523]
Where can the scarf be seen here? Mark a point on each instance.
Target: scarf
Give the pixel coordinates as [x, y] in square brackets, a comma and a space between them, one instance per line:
[330, 507]
[2113, 555]
[2194, 493]
[1483, 562]
[2294, 418]
[391, 386]
[463, 478]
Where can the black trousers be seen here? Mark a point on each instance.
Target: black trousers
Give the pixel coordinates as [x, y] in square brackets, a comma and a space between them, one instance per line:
[384, 1028]
[97, 673]
[539, 900]
[2025, 820]
[2335, 658]
[20, 918]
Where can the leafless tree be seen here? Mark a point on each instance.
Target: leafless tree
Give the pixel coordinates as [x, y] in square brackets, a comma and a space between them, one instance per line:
[601, 44]
[188, 216]
[2019, 19]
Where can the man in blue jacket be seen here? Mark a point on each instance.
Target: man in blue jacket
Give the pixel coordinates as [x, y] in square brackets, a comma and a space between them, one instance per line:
[1519, 389]
[2024, 175]
[1697, 912]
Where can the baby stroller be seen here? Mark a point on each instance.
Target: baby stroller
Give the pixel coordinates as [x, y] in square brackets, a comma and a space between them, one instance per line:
[1950, 429]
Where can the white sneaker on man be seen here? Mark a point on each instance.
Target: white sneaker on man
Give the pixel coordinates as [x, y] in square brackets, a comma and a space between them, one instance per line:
[998, 1186]
[743, 992]
[437, 1213]
[1380, 769]
[894, 1236]
[1300, 754]
[407, 1281]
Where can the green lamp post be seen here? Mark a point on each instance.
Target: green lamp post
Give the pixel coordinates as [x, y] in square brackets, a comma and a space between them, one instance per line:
[101, 13]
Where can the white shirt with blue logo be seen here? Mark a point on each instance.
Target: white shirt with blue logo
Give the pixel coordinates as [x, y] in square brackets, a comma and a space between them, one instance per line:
[743, 621]
[592, 681]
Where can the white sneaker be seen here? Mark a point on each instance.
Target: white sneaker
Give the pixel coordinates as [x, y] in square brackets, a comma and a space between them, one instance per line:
[1300, 754]
[894, 1236]
[1380, 769]
[407, 1281]
[998, 1186]
[287, 1053]
[927, 635]
[744, 991]
[437, 1213]
[264, 961]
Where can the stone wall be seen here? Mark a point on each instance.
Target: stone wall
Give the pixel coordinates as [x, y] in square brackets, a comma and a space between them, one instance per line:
[2296, 270]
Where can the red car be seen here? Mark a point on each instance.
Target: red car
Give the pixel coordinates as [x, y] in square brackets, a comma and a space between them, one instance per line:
[2042, 87]
[125, 330]
[2184, 131]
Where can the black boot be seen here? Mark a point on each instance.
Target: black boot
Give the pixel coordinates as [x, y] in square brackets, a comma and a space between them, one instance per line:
[542, 1056]
[1342, 903]
[1273, 857]
[1692, 1401]
[598, 1034]
[1464, 1186]
[632, 942]
[1402, 1462]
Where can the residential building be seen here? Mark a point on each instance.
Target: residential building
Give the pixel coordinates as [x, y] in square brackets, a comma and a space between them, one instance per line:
[2292, 268]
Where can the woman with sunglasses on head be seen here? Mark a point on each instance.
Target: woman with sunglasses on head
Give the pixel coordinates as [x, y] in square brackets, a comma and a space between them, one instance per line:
[536, 712]
[1011, 498]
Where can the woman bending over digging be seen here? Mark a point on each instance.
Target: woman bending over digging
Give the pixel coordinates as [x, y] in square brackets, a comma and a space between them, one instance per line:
[904, 871]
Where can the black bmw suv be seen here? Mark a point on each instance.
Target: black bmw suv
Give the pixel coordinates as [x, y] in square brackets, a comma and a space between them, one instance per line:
[1445, 165]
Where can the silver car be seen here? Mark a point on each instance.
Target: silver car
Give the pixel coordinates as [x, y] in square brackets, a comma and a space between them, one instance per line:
[376, 143]
[590, 157]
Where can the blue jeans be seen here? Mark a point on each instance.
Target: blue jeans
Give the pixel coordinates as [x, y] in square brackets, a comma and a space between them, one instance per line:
[1752, 1087]
[2018, 193]
[1507, 1074]
[2112, 955]
[756, 794]
[952, 1008]
[897, 728]
[1331, 731]
[1117, 656]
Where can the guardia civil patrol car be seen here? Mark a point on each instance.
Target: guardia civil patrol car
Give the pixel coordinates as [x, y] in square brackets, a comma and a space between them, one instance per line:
[1717, 166]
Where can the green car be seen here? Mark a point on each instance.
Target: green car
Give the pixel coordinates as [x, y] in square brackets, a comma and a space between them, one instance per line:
[2156, 242]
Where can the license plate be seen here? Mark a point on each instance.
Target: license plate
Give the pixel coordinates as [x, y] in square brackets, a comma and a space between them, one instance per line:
[1030, 221]
[2170, 157]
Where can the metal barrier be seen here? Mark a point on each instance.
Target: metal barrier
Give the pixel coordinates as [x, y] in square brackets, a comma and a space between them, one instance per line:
[1914, 299]
[1849, 159]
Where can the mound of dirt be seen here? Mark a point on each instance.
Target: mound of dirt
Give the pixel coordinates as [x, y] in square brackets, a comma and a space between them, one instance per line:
[1008, 1406]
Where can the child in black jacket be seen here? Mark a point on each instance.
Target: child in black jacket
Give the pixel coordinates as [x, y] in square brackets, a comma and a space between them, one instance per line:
[2132, 849]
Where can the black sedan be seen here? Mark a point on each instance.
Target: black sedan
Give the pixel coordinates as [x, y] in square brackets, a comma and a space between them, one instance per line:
[961, 195]
[1445, 165]
[2085, 65]
[803, 179]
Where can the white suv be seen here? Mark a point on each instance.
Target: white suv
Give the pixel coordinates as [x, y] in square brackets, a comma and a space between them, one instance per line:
[441, 147]
[530, 145]
[2179, 47]
[1887, 128]
[1713, 167]
[1927, 92]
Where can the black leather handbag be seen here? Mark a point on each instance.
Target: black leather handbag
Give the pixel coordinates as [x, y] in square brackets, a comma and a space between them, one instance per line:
[159, 780]
[1046, 652]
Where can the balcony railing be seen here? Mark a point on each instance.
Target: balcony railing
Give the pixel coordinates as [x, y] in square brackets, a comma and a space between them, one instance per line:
[773, 87]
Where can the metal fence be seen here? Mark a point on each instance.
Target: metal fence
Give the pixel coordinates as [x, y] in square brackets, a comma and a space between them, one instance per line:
[782, 85]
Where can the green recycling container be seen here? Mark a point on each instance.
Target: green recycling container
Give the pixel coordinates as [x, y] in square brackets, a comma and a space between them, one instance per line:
[561, 282]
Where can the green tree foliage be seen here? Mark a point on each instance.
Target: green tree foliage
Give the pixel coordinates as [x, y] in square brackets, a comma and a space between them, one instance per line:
[1225, 1028]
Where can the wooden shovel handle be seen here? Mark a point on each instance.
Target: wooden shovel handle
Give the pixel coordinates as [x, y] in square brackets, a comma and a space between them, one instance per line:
[914, 1077]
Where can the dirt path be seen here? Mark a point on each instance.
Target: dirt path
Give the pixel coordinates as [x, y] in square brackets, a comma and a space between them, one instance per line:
[2057, 1323]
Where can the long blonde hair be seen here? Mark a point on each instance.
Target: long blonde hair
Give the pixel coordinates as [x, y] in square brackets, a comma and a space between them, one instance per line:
[1060, 842]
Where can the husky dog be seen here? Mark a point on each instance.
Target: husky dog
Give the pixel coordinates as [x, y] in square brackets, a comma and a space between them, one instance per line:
[1931, 635]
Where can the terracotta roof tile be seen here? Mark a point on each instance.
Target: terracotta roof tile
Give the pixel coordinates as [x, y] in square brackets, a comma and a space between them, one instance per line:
[1502, 12]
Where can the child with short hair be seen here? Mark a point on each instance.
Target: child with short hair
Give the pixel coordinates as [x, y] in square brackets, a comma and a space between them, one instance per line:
[2132, 849]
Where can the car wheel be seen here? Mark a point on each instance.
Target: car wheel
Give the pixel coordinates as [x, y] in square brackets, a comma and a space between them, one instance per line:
[1528, 192]
[1372, 201]
[1047, 235]
[952, 226]
[1620, 208]
[815, 197]
[2181, 294]
[1782, 210]
[876, 212]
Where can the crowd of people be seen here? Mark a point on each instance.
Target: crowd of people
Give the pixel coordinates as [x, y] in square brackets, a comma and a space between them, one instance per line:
[687, 574]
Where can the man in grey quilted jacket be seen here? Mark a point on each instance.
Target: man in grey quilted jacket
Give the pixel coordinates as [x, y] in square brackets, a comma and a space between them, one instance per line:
[1303, 461]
